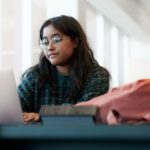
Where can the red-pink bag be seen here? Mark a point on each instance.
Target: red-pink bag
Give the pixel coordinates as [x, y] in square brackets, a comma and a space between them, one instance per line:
[129, 103]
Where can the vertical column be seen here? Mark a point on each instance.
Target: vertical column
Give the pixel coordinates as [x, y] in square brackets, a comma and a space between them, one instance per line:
[126, 58]
[1, 16]
[39, 15]
[115, 56]
[123, 58]
[90, 28]
[81, 10]
[100, 40]
[18, 41]
[26, 34]
[107, 46]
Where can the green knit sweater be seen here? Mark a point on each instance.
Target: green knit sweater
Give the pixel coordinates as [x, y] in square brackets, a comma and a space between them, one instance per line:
[32, 97]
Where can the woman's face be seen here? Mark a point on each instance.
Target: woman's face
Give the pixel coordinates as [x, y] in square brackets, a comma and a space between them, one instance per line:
[58, 47]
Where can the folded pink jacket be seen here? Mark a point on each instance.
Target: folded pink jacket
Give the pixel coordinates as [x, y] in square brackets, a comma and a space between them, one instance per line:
[129, 103]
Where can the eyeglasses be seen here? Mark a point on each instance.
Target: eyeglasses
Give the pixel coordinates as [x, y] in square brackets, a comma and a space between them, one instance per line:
[55, 39]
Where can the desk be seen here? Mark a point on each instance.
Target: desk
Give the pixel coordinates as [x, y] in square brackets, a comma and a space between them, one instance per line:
[76, 137]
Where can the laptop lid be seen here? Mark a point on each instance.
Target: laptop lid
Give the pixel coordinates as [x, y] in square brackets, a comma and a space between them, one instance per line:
[10, 107]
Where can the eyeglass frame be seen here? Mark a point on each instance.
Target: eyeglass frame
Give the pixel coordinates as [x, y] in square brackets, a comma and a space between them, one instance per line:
[45, 45]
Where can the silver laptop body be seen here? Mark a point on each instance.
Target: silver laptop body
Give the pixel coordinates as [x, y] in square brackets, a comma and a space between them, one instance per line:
[10, 108]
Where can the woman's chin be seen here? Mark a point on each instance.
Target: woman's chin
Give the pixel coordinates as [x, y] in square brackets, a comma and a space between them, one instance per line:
[54, 62]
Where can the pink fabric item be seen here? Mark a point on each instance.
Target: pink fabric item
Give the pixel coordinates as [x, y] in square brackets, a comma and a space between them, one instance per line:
[129, 103]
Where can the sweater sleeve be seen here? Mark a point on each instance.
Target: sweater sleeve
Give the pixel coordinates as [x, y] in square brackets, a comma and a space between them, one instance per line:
[26, 90]
[97, 84]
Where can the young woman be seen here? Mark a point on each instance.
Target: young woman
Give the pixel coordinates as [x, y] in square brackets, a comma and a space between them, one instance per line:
[67, 71]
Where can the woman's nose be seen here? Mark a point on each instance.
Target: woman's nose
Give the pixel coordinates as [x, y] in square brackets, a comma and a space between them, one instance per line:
[51, 46]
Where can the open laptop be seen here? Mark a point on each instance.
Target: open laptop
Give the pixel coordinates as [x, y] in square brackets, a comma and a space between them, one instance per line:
[10, 108]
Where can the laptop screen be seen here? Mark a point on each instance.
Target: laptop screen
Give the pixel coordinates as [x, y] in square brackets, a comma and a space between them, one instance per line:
[10, 108]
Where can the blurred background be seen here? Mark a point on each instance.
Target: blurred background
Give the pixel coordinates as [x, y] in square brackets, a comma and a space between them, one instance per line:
[118, 32]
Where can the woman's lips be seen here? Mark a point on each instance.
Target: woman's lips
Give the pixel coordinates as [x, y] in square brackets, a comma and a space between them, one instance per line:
[53, 55]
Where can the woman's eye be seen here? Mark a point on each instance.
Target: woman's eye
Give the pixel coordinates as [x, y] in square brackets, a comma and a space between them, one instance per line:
[56, 39]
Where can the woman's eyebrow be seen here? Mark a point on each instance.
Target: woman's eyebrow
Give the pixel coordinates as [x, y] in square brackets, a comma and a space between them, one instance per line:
[54, 34]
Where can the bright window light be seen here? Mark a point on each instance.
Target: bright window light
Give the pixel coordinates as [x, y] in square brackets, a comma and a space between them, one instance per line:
[115, 56]
[64, 9]
[0, 32]
[126, 58]
[100, 39]
[26, 34]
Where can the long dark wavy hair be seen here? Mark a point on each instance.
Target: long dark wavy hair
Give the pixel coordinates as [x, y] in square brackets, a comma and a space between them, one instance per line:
[81, 62]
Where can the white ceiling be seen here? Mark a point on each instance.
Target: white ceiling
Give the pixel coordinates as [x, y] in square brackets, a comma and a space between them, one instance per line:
[146, 5]
[130, 15]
